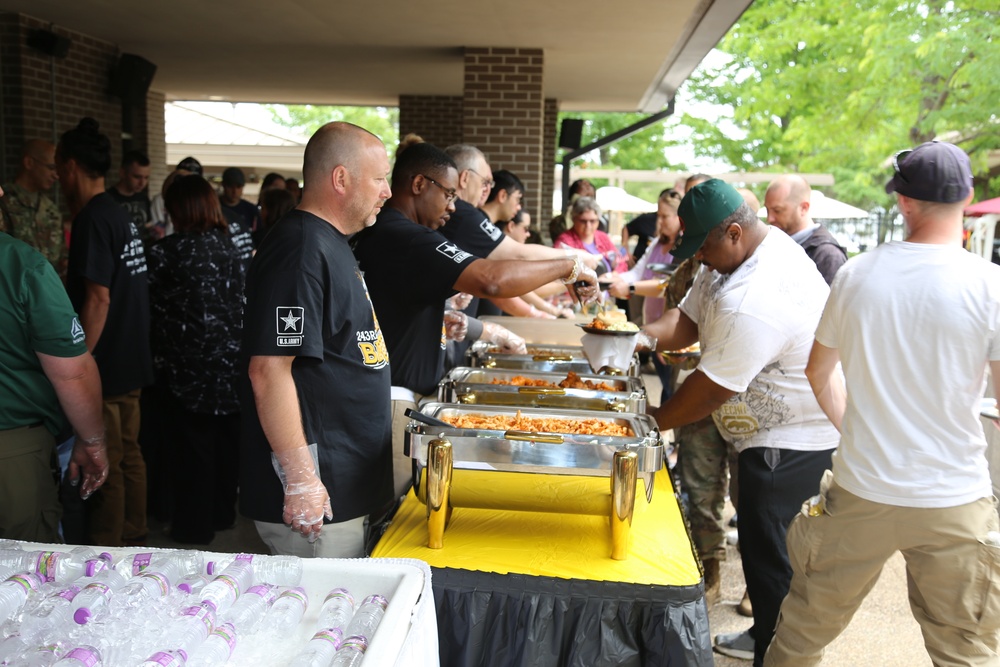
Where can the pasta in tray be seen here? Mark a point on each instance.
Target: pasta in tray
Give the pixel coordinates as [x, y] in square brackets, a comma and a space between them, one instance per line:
[572, 381]
[519, 422]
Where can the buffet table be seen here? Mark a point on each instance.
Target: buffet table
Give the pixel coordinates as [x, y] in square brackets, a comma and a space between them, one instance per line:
[535, 588]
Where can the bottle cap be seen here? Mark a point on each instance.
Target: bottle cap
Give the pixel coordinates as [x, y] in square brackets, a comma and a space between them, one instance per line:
[184, 587]
[81, 616]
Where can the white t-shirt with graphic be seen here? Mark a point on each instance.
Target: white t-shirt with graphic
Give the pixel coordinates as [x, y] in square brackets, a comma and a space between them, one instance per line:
[915, 325]
[756, 328]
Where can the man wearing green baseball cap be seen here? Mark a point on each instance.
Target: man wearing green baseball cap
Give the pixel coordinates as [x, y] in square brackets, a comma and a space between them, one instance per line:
[753, 308]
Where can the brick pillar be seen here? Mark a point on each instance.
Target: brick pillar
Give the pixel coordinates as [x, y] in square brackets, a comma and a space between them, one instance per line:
[436, 118]
[156, 141]
[550, 131]
[504, 113]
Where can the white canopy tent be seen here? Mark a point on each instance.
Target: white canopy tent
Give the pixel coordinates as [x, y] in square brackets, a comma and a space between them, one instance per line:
[611, 198]
[822, 207]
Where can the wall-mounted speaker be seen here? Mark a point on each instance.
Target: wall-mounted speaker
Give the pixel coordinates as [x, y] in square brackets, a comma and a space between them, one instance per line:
[570, 133]
[49, 43]
[131, 77]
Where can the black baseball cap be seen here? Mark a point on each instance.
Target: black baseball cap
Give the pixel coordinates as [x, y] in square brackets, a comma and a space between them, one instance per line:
[934, 171]
[190, 164]
[233, 176]
[704, 208]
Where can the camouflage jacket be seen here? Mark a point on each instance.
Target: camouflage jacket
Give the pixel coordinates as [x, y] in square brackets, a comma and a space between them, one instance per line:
[36, 220]
[680, 282]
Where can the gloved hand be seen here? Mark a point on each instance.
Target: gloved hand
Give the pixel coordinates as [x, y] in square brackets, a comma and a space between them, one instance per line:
[89, 460]
[644, 342]
[585, 287]
[507, 340]
[459, 301]
[566, 313]
[456, 325]
[306, 498]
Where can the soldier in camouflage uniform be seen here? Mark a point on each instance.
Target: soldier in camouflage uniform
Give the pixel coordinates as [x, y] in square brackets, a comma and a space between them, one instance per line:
[28, 213]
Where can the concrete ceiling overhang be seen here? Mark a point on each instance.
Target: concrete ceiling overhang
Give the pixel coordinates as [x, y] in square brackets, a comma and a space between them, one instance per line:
[600, 55]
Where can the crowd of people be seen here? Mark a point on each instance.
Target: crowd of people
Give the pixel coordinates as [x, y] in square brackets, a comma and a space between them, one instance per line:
[201, 352]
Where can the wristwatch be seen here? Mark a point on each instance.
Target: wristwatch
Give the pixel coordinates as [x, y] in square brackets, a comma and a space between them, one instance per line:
[631, 289]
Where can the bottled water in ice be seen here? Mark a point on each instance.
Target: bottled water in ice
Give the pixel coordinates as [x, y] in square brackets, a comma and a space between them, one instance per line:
[58, 566]
[12, 648]
[53, 612]
[155, 576]
[95, 596]
[228, 585]
[165, 659]
[287, 610]
[44, 656]
[337, 610]
[367, 618]
[320, 649]
[217, 648]
[351, 652]
[15, 590]
[274, 570]
[189, 631]
[248, 611]
[193, 583]
[184, 561]
[81, 656]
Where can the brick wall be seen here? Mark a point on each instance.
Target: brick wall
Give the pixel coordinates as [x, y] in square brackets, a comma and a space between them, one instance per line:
[436, 118]
[503, 113]
[156, 140]
[44, 96]
[550, 138]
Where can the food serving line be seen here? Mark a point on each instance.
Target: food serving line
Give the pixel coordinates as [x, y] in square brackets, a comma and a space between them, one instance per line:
[544, 506]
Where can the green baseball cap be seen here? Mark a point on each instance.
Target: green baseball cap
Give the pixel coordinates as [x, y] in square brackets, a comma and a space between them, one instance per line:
[703, 208]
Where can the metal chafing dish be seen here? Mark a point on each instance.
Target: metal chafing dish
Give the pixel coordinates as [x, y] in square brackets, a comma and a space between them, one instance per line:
[540, 357]
[441, 452]
[476, 386]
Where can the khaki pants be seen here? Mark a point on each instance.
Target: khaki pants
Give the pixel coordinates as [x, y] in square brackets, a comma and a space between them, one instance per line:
[116, 513]
[337, 540]
[29, 500]
[953, 578]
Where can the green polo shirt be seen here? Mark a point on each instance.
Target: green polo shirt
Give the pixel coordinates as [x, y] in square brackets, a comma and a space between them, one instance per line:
[35, 316]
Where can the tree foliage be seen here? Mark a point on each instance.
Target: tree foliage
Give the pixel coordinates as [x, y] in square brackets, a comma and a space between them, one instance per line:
[307, 118]
[825, 86]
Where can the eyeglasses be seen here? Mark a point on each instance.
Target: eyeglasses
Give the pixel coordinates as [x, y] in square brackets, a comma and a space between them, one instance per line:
[47, 165]
[487, 184]
[895, 163]
[451, 194]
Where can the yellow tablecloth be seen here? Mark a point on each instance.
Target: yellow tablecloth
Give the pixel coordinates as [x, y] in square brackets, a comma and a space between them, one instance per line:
[571, 546]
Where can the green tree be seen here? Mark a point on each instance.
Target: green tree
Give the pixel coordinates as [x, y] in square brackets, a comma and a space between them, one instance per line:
[826, 86]
[307, 118]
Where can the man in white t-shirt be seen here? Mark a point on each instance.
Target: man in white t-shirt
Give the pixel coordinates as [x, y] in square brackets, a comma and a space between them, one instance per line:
[910, 474]
[753, 307]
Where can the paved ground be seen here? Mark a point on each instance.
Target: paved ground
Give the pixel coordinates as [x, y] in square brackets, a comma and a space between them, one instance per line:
[882, 633]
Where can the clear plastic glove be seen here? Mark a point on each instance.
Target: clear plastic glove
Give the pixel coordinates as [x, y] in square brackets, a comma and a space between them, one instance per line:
[507, 340]
[460, 301]
[644, 342]
[565, 313]
[89, 460]
[456, 325]
[585, 288]
[306, 498]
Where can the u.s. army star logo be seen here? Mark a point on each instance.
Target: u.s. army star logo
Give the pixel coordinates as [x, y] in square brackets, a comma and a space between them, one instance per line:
[290, 325]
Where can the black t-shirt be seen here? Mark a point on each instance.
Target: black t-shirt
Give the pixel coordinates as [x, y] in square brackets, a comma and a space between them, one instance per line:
[643, 227]
[105, 248]
[137, 205]
[305, 297]
[471, 230]
[247, 212]
[410, 271]
[240, 233]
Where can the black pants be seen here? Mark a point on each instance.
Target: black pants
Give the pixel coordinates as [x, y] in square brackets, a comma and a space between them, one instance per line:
[773, 485]
[204, 469]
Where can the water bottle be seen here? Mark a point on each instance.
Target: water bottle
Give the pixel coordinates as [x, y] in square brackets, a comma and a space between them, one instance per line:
[218, 648]
[15, 590]
[319, 651]
[274, 570]
[192, 584]
[351, 652]
[44, 656]
[95, 596]
[226, 587]
[337, 610]
[63, 568]
[53, 612]
[165, 659]
[184, 561]
[247, 612]
[287, 610]
[188, 632]
[153, 580]
[81, 656]
[367, 618]
[12, 648]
